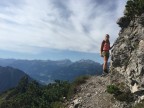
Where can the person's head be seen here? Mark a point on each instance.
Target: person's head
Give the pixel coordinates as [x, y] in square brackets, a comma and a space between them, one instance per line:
[107, 37]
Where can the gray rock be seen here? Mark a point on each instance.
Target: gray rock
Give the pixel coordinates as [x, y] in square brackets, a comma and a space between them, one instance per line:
[141, 20]
[76, 102]
[128, 54]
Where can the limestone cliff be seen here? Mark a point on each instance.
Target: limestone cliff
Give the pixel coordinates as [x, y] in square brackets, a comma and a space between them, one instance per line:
[127, 60]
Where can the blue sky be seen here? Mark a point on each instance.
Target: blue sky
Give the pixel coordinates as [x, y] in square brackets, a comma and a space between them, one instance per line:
[57, 29]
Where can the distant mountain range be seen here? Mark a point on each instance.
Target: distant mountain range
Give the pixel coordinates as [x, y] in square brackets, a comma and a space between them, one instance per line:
[10, 77]
[47, 71]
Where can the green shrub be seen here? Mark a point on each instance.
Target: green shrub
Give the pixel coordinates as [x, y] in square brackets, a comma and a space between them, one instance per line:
[112, 89]
[120, 95]
[125, 96]
[33, 95]
[57, 105]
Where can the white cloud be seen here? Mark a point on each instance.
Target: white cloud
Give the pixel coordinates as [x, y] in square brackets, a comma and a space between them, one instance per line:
[78, 25]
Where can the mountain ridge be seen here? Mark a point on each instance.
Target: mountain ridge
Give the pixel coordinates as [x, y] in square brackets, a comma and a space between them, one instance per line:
[47, 71]
[10, 77]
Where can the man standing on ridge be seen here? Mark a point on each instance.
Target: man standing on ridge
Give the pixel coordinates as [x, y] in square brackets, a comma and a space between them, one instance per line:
[104, 51]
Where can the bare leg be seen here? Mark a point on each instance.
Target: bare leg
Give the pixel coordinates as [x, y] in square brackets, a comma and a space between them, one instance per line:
[105, 63]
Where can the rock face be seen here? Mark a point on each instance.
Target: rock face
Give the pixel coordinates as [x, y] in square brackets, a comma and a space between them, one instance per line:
[128, 54]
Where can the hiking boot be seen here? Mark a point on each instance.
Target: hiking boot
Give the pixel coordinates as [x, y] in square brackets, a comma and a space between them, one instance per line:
[106, 71]
[104, 74]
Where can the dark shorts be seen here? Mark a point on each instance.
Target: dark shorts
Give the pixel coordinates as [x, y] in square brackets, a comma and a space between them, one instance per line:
[105, 53]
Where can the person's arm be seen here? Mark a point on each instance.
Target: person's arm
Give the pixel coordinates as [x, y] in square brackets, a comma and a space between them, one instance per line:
[111, 46]
[102, 44]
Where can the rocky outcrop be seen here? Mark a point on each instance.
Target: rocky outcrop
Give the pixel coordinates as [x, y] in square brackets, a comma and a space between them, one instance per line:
[127, 58]
[123, 22]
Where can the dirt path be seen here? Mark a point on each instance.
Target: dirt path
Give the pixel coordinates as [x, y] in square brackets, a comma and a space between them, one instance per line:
[93, 95]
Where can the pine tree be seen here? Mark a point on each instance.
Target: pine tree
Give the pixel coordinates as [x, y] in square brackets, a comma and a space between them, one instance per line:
[134, 8]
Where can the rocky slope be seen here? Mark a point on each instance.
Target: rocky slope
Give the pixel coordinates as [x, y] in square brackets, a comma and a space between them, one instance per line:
[93, 94]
